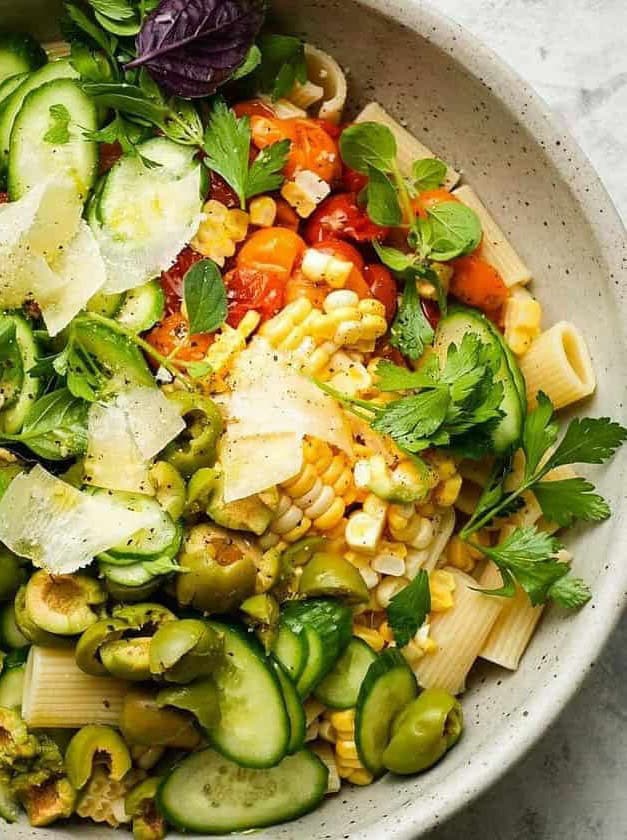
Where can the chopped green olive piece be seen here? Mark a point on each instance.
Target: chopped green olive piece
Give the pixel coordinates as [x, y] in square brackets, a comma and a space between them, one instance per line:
[12, 574]
[47, 803]
[146, 617]
[302, 551]
[127, 659]
[140, 804]
[423, 731]
[144, 722]
[92, 741]
[170, 489]
[199, 490]
[262, 612]
[181, 651]
[253, 513]
[200, 698]
[331, 575]
[88, 646]
[27, 627]
[196, 446]
[271, 569]
[218, 570]
[15, 741]
[62, 604]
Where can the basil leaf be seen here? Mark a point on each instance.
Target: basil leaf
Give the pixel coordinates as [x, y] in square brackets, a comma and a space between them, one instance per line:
[393, 258]
[205, 297]
[453, 230]
[368, 145]
[428, 174]
[383, 207]
[55, 428]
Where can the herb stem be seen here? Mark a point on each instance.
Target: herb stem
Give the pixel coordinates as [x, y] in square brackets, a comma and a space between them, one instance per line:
[403, 195]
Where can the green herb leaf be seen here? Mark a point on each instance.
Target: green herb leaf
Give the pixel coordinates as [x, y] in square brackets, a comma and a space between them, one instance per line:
[266, 171]
[76, 24]
[11, 365]
[114, 9]
[411, 331]
[205, 297]
[250, 64]
[391, 377]
[408, 609]
[59, 132]
[91, 65]
[570, 592]
[453, 230]
[227, 144]
[428, 174]
[591, 440]
[199, 369]
[365, 146]
[55, 428]
[539, 434]
[383, 207]
[412, 421]
[397, 260]
[570, 499]
[282, 64]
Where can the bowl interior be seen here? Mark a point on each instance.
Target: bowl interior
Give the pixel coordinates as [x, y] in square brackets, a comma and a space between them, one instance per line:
[472, 111]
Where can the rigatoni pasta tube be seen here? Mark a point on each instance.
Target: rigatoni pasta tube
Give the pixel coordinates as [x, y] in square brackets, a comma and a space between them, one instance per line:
[512, 630]
[409, 148]
[459, 634]
[558, 363]
[324, 71]
[495, 247]
[58, 694]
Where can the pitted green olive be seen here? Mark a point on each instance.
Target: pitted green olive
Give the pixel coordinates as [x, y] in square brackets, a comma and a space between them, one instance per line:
[262, 613]
[92, 741]
[328, 574]
[29, 630]
[423, 731]
[127, 659]
[181, 651]
[302, 551]
[199, 490]
[140, 804]
[147, 617]
[169, 487]
[144, 722]
[219, 571]
[196, 446]
[88, 647]
[253, 513]
[63, 604]
[201, 698]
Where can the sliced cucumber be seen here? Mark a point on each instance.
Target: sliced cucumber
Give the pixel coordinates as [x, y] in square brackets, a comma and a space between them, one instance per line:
[12, 687]
[459, 322]
[10, 634]
[326, 625]
[340, 688]
[9, 806]
[19, 53]
[137, 574]
[34, 157]
[388, 687]
[12, 105]
[142, 307]
[107, 305]
[254, 727]
[9, 85]
[163, 538]
[295, 710]
[291, 650]
[208, 794]
[12, 418]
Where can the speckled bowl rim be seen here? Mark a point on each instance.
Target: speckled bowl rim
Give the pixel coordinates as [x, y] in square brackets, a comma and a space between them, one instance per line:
[517, 96]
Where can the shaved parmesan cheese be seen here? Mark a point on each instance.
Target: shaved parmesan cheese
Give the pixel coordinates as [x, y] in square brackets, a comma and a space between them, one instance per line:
[252, 464]
[60, 528]
[153, 419]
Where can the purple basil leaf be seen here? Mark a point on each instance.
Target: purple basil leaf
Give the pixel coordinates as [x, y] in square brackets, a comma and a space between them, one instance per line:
[191, 47]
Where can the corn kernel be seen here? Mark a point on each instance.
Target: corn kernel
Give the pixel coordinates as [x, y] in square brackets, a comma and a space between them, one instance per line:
[236, 225]
[370, 636]
[363, 531]
[215, 211]
[446, 493]
[458, 555]
[347, 749]
[263, 211]
[326, 731]
[522, 320]
[390, 559]
[325, 268]
[343, 722]
[305, 192]
[442, 586]
[360, 777]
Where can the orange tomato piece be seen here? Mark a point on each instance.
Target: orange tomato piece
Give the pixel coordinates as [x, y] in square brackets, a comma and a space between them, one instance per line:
[312, 147]
[276, 250]
[171, 337]
[300, 286]
[477, 283]
[428, 198]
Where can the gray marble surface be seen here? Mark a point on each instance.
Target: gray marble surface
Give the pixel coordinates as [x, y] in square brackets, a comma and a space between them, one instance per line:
[573, 784]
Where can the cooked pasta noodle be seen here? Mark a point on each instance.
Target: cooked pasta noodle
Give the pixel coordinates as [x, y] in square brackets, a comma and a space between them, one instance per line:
[559, 364]
[512, 630]
[324, 71]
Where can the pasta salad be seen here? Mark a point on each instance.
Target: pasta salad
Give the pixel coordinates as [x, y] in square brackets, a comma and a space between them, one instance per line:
[280, 456]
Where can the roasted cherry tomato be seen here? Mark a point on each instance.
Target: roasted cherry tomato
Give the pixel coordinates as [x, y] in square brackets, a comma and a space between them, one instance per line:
[108, 155]
[340, 217]
[352, 180]
[383, 287]
[286, 216]
[220, 191]
[428, 198]
[312, 147]
[431, 311]
[172, 279]
[251, 288]
[275, 250]
[253, 108]
[299, 286]
[171, 337]
[331, 129]
[477, 283]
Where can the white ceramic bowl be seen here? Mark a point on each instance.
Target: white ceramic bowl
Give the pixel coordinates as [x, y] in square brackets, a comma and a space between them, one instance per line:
[478, 115]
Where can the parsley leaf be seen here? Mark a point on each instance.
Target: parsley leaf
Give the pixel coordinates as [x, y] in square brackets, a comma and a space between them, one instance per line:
[570, 592]
[391, 377]
[539, 434]
[383, 207]
[59, 132]
[411, 331]
[282, 64]
[408, 609]
[591, 440]
[413, 421]
[572, 498]
[205, 297]
[428, 174]
[265, 174]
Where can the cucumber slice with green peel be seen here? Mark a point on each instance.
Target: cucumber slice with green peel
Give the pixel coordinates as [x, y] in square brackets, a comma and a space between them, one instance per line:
[12, 417]
[295, 710]
[107, 305]
[142, 307]
[315, 665]
[461, 321]
[208, 794]
[19, 53]
[340, 688]
[254, 727]
[36, 155]
[13, 104]
[389, 685]
[137, 574]
[12, 687]
[10, 634]
[163, 536]
[9, 85]
[9, 806]
[291, 650]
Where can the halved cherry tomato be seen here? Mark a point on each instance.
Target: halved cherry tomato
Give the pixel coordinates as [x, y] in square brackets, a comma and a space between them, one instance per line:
[173, 333]
[477, 283]
[253, 108]
[352, 180]
[249, 288]
[383, 287]
[431, 311]
[384, 350]
[275, 250]
[172, 279]
[4, 197]
[286, 216]
[341, 217]
[428, 198]
[312, 147]
[345, 251]
[108, 155]
[331, 129]
[220, 191]
[299, 286]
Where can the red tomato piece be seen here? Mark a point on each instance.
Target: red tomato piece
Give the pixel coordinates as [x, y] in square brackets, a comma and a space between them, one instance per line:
[108, 155]
[220, 191]
[4, 197]
[431, 311]
[477, 283]
[249, 288]
[340, 217]
[172, 279]
[353, 181]
[253, 108]
[383, 287]
[171, 337]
